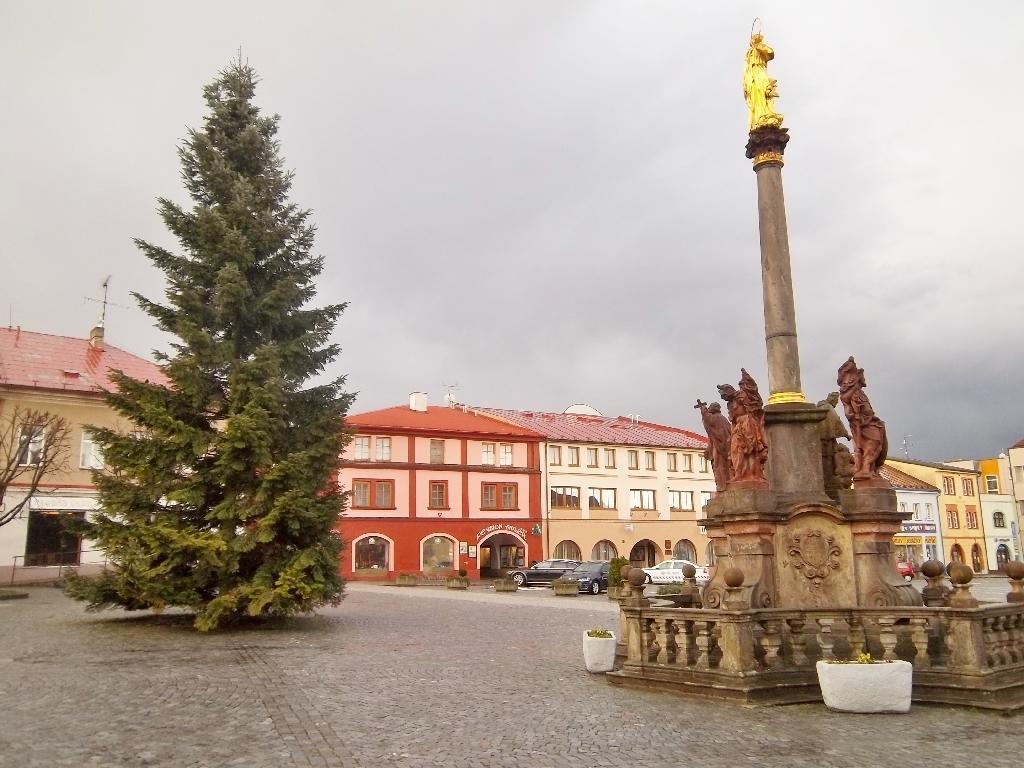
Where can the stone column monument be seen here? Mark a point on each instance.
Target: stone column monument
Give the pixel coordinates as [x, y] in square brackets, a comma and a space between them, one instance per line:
[799, 542]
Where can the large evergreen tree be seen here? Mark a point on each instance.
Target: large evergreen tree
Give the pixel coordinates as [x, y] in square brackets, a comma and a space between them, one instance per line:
[224, 500]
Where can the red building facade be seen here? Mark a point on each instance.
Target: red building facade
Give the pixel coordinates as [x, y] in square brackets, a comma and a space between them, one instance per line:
[436, 489]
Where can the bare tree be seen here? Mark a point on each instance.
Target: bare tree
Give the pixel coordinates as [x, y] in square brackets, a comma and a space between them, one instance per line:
[33, 444]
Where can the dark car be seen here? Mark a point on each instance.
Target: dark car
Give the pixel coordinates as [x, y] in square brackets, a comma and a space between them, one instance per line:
[592, 576]
[543, 572]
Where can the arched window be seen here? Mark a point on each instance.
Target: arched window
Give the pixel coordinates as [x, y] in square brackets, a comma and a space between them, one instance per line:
[977, 562]
[371, 554]
[567, 550]
[709, 554]
[956, 554]
[438, 554]
[998, 519]
[684, 550]
[604, 550]
[1002, 556]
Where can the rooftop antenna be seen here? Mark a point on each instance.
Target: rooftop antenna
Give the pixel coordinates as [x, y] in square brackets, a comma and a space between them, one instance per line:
[449, 397]
[906, 446]
[105, 302]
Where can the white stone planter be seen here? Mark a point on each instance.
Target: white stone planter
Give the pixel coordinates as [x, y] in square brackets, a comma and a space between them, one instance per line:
[598, 653]
[876, 687]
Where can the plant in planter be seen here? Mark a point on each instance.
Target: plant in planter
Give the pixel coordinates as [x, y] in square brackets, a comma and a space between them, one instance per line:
[864, 684]
[505, 584]
[406, 580]
[615, 576]
[565, 587]
[598, 650]
[458, 582]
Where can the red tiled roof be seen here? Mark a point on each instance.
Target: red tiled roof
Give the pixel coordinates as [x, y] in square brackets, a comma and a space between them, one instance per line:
[44, 361]
[437, 419]
[903, 481]
[1018, 444]
[610, 430]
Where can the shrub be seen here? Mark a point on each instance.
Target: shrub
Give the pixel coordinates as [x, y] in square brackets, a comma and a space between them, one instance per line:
[672, 588]
[599, 633]
[463, 572]
[614, 579]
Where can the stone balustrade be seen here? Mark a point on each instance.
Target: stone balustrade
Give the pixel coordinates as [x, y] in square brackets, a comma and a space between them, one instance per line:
[963, 652]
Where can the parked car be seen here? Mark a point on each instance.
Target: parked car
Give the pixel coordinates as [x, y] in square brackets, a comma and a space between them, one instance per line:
[905, 569]
[592, 576]
[668, 571]
[543, 572]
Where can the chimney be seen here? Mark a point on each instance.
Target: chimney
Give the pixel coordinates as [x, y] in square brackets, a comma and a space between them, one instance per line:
[96, 336]
[418, 401]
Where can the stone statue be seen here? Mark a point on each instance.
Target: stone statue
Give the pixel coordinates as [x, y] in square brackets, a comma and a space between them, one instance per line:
[748, 448]
[758, 89]
[834, 466]
[718, 430]
[869, 440]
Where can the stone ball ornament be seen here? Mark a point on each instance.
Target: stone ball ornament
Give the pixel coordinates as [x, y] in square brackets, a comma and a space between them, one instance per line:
[624, 572]
[733, 577]
[1014, 570]
[688, 571]
[960, 573]
[933, 569]
[637, 577]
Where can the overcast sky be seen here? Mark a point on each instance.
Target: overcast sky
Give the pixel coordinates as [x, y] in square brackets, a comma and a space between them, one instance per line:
[547, 202]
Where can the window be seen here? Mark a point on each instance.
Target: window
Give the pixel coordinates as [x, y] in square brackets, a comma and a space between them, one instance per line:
[705, 497]
[372, 554]
[574, 456]
[505, 454]
[971, 514]
[952, 518]
[709, 553]
[373, 494]
[92, 456]
[555, 455]
[641, 498]
[991, 484]
[634, 459]
[609, 458]
[928, 512]
[30, 446]
[1019, 474]
[903, 506]
[948, 485]
[361, 449]
[591, 457]
[437, 451]
[604, 550]
[684, 550]
[565, 496]
[967, 483]
[672, 462]
[680, 499]
[917, 511]
[49, 542]
[702, 464]
[498, 496]
[438, 554]
[438, 494]
[487, 453]
[686, 463]
[998, 519]
[649, 460]
[568, 550]
[602, 498]
[383, 448]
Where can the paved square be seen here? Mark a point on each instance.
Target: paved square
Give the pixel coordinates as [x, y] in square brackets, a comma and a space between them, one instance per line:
[408, 678]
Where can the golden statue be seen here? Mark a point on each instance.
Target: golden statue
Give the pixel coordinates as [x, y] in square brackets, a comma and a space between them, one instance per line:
[758, 89]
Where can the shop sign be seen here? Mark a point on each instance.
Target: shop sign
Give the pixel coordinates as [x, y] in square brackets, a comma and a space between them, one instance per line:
[930, 540]
[918, 527]
[906, 540]
[62, 503]
[501, 528]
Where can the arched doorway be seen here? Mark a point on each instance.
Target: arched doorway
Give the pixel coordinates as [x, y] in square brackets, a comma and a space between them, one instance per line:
[956, 554]
[604, 550]
[371, 555]
[977, 561]
[1002, 557]
[567, 550]
[500, 552]
[684, 550]
[644, 554]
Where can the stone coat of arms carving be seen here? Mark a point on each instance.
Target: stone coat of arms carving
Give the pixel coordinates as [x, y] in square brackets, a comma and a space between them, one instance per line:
[814, 554]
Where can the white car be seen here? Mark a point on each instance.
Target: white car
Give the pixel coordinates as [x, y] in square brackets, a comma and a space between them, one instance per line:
[669, 571]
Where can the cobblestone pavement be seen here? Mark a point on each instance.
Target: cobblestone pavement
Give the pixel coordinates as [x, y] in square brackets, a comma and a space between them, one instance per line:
[407, 678]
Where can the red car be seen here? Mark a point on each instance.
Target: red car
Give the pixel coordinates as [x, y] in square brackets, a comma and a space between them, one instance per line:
[905, 569]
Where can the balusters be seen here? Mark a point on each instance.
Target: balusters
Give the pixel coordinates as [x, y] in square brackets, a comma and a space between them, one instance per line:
[798, 640]
[857, 639]
[647, 639]
[686, 649]
[887, 637]
[771, 641]
[666, 645]
[919, 636]
[825, 639]
[703, 630]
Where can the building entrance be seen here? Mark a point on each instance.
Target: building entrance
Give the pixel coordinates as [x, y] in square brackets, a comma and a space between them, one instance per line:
[500, 552]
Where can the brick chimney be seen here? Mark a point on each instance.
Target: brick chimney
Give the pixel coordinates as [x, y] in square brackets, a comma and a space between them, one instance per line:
[96, 336]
